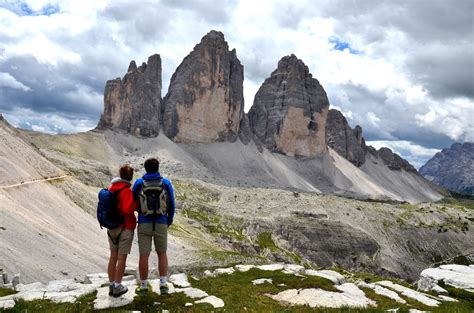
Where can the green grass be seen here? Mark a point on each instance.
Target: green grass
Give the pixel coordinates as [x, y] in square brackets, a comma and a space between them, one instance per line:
[6, 292]
[265, 241]
[240, 294]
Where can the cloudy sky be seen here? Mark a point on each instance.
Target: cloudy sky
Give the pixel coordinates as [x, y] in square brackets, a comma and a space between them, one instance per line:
[403, 70]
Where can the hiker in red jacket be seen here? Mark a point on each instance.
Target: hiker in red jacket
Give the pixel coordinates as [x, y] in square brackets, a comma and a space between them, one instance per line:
[121, 238]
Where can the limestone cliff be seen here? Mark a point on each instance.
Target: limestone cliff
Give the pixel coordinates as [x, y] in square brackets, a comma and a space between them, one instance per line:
[452, 168]
[205, 100]
[133, 103]
[289, 111]
[346, 141]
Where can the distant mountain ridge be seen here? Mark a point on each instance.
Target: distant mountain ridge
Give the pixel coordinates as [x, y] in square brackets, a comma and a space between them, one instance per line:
[452, 168]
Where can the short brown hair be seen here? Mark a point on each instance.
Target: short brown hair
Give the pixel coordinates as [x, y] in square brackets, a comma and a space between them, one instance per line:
[126, 172]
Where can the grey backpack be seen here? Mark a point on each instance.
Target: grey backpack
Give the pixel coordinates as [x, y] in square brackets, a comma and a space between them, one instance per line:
[153, 198]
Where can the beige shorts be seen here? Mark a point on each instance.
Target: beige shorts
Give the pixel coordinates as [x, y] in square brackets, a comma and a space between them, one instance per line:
[146, 234]
[124, 244]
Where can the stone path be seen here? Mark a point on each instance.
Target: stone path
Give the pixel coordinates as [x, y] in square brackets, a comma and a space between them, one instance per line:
[349, 294]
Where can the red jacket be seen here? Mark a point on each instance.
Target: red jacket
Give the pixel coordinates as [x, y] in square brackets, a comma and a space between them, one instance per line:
[126, 204]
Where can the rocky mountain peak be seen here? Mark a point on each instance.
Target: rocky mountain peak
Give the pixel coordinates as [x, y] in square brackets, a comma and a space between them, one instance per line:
[346, 141]
[452, 168]
[205, 100]
[292, 66]
[133, 103]
[289, 111]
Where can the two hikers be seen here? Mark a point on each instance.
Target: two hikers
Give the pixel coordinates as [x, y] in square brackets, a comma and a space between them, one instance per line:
[153, 199]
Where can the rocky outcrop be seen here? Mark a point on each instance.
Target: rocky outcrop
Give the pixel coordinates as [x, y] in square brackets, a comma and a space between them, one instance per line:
[205, 100]
[289, 111]
[391, 159]
[346, 141]
[133, 103]
[452, 168]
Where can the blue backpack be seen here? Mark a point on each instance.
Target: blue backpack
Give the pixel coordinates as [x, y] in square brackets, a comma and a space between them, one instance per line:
[108, 213]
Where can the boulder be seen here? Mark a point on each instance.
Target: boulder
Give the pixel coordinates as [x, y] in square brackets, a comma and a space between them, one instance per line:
[205, 102]
[346, 141]
[289, 111]
[133, 103]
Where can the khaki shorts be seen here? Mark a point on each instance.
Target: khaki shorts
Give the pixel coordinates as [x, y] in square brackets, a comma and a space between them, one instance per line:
[124, 244]
[145, 234]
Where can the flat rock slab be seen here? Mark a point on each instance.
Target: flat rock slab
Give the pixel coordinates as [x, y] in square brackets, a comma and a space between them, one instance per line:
[104, 301]
[180, 280]
[271, 267]
[193, 293]
[212, 300]
[351, 296]
[7, 304]
[294, 269]
[333, 276]
[261, 281]
[244, 268]
[459, 276]
[410, 293]
[383, 291]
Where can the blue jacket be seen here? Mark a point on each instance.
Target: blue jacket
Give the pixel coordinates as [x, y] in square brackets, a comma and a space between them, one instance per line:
[137, 187]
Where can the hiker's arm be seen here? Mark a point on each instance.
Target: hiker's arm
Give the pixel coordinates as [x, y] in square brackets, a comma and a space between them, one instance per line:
[137, 188]
[129, 205]
[172, 204]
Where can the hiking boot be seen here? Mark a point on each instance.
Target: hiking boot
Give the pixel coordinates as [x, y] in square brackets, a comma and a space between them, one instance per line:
[111, 290]
[142, 291]
[119, 290]
[164, 289]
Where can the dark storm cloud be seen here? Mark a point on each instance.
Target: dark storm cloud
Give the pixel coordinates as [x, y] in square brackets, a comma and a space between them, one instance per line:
[50, 92]
[440, 38]
[394, 124]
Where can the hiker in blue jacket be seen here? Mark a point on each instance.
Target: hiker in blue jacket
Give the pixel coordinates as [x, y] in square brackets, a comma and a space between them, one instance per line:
[156, 209]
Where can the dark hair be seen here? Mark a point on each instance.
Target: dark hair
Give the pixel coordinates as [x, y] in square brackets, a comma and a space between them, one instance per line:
[152, 165]
[126, 172]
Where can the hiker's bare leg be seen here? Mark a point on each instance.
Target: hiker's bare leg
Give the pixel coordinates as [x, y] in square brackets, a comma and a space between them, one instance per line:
[121, 262]
[163, 263]
[112, 265]
[143, 266]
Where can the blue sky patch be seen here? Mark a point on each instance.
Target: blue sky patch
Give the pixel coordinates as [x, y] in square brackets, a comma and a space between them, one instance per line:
[342, 45]
[23, 9]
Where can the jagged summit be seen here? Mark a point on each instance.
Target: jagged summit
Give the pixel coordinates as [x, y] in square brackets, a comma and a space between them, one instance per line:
[133, 103]
[205, 100]
[289, 111]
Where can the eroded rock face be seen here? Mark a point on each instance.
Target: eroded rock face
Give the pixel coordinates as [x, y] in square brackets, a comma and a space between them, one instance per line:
[452, 168]
[392, 160]
[133, 103]
[289, 111]
[346, 141]
[205, 100]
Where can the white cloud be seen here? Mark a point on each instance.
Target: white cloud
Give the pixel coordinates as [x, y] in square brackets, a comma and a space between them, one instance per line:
[389, 88]
[7, 80]
[417, 155]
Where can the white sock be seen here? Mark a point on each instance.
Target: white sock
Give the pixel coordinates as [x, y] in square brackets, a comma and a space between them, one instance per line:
[111, 283]
[163, 280]
[144, 283]
[117, 284]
